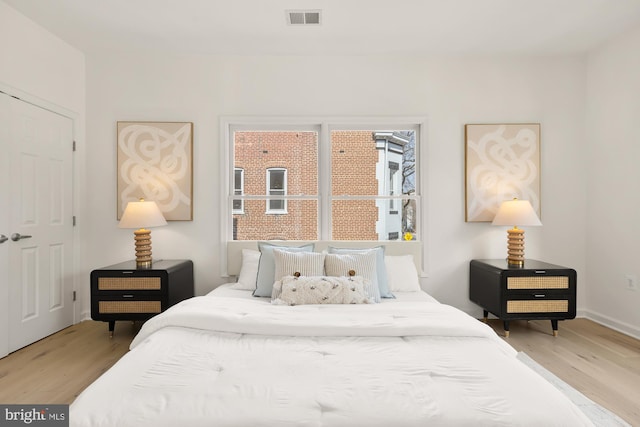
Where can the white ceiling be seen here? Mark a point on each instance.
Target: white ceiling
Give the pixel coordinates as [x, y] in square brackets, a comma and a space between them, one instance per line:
[348, 26]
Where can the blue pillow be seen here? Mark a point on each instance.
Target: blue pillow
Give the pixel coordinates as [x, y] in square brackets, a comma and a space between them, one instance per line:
[267, 266]
[381, 269]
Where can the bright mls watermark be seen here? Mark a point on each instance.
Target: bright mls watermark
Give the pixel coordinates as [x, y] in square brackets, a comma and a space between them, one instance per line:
[34, 415]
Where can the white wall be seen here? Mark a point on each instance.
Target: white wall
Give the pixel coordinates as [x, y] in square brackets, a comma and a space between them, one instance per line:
[38, 63]
[613, 121]
[40, 68]
[449, 91]
[593, 159]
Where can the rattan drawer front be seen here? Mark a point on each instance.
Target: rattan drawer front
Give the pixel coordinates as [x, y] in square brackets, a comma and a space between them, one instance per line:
[538, 282]
[129, 283]
[108, 307]
[537, 306]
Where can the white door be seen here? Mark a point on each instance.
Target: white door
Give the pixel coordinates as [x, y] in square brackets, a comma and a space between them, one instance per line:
[39, 226]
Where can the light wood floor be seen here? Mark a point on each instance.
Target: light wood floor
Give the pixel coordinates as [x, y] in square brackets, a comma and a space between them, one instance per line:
[57, 368]
[601, 363]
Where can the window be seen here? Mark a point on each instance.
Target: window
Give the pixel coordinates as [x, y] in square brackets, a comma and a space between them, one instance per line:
[303, 179]
[366, 192]
[281, 182]
[394, 167]
[238, 190]
[276, 186]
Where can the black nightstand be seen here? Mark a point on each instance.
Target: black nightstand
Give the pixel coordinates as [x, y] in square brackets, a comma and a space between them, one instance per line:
[536, 291]
[124, 292]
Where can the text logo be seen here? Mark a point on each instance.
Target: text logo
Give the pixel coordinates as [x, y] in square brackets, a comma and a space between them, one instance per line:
[34, 415]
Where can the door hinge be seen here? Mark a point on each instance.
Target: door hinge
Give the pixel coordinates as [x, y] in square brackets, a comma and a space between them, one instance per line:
[74, 146]
[74, 220]
[74, 295]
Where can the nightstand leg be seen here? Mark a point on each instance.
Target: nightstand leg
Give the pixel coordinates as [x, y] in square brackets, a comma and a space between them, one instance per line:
[506, 328]
[485, 316]
[112, 326]
[554, 326]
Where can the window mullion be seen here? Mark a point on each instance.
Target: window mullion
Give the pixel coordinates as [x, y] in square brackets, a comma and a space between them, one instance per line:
[324, 182]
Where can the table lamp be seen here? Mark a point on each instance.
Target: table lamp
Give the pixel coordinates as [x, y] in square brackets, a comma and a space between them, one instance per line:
[514, 212]
[142, 215]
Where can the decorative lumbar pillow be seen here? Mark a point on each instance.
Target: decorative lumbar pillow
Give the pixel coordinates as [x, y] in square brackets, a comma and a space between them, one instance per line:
[248, 271]
[266, 267]
[381, 269]
[361, 264]
[402, 273]
[321, 290]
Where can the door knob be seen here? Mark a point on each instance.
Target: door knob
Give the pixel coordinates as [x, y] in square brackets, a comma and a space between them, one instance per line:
[17, 236]
[3, 238]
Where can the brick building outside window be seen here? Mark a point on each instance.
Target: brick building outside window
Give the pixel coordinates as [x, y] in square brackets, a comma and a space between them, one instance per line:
[364, 165]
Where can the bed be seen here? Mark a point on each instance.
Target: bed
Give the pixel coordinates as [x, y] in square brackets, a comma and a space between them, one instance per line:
[231, 358]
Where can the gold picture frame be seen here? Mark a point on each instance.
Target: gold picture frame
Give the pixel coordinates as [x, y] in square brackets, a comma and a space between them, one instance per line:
[502, 161]
[155, 161]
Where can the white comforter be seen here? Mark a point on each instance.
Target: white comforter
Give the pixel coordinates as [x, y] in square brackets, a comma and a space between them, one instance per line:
[215, 361]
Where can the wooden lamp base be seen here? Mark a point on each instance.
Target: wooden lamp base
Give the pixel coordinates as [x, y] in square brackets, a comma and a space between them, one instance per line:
[515, 247]
[142, 237]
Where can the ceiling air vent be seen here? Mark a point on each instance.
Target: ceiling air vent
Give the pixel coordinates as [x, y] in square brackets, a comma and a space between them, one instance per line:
[303, 17]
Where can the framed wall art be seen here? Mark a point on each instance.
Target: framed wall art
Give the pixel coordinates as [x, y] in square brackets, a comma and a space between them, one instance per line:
[502, 161]
[155, 162]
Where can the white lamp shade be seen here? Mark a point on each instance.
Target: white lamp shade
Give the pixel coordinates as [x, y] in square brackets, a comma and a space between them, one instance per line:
[516, 213]
[142, 214]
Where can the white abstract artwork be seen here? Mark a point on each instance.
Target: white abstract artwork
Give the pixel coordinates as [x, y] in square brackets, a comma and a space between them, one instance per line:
[155, 162]
[502, 162]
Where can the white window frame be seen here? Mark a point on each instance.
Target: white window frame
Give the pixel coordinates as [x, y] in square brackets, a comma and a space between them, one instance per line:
[323, 125]
[269, 191]
[241, 189]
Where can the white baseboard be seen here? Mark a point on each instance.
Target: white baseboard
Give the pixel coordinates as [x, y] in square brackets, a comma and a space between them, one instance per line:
[85, 315]
[582, 313]
[609, 322]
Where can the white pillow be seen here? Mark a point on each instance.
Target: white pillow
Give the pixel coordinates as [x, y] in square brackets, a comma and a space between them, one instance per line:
[402, 273]
[320, 290]
[248, 271]
[363, 264]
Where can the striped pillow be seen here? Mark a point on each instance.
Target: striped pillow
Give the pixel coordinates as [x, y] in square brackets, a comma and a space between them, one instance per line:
[363, 264]
[381, 269]
[306, 263]
[295, 263]
[266, 266]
